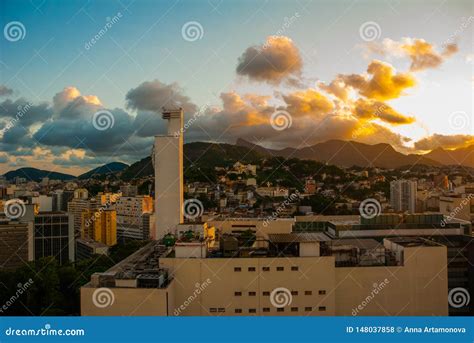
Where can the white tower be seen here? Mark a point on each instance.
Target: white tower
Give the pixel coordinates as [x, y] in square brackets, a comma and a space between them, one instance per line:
[168, 163]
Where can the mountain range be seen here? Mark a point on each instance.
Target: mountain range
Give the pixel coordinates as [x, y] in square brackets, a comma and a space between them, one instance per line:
[335, 152]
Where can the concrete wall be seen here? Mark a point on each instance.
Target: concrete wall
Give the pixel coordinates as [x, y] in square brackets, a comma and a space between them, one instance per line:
[128, 301]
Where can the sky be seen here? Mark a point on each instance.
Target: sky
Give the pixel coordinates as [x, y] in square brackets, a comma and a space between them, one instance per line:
[82, 82]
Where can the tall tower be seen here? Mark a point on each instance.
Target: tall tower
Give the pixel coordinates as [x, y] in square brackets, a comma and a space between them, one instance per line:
[168, 164]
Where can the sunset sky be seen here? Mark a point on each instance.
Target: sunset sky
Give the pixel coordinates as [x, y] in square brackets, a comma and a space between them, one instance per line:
[397, 72]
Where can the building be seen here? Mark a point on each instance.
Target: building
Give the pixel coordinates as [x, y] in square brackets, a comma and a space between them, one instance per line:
[76, 206]
[297, 270]
[86, 248]
[100, 225]
[403, 195]
[133, 217]
[44, 202]
[54, 236]
[60, 199]
[168, 164]
[458, 206]
[129, 190]
[16, 244]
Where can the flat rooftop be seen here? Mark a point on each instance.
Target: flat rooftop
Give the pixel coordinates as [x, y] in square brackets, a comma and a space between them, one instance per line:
[298, 237]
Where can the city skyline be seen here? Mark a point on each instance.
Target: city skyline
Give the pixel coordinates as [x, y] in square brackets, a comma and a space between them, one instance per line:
[231, 68]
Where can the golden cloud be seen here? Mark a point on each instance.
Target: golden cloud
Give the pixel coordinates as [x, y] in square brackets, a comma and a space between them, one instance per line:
[444, 141]
[308, 102]
[370, 109]
[384, 83]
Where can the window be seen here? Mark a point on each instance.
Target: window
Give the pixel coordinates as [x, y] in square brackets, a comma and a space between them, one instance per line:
[252, 310]
[238, 294]
[252, 294]
[294, 309]
[266, 309]
[266, 269]
[322, 292]
[251, 269]
[294, 268]
[308, 309]
[294, 292]
[266, 294]
[221, 310]
[308, 293]
[237, 269]
[238, 310]
[322, 308]
[280, 309]
[280, 269]
[213, 310]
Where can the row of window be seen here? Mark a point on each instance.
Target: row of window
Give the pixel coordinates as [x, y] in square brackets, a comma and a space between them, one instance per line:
[266, 309]
[265, 269]
[266, 293]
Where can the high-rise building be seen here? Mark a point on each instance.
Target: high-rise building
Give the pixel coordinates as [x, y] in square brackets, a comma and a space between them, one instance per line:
[131, 222]
[99, 225]
[54, 236]
[16, 244]
[76, 206]
[60, 199]
[168, 164]
[403, 195]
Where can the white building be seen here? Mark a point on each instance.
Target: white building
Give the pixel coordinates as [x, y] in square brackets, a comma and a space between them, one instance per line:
[403, 195]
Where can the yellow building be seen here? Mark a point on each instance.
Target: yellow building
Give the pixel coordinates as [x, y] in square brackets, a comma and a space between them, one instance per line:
[99, 225]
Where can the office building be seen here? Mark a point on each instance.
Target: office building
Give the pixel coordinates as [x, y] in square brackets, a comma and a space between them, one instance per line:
[54, 236]
[87, 248]
[16, 244]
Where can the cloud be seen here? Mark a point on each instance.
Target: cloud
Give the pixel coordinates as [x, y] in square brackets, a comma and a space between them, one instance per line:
[154, 95]
[423, 55]
[5, 91]
[444, 141]
[81, 133]
[381, 83]
[25, 112]
[69, 104]
[370, 109]
[276, 60]
[308, 102]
